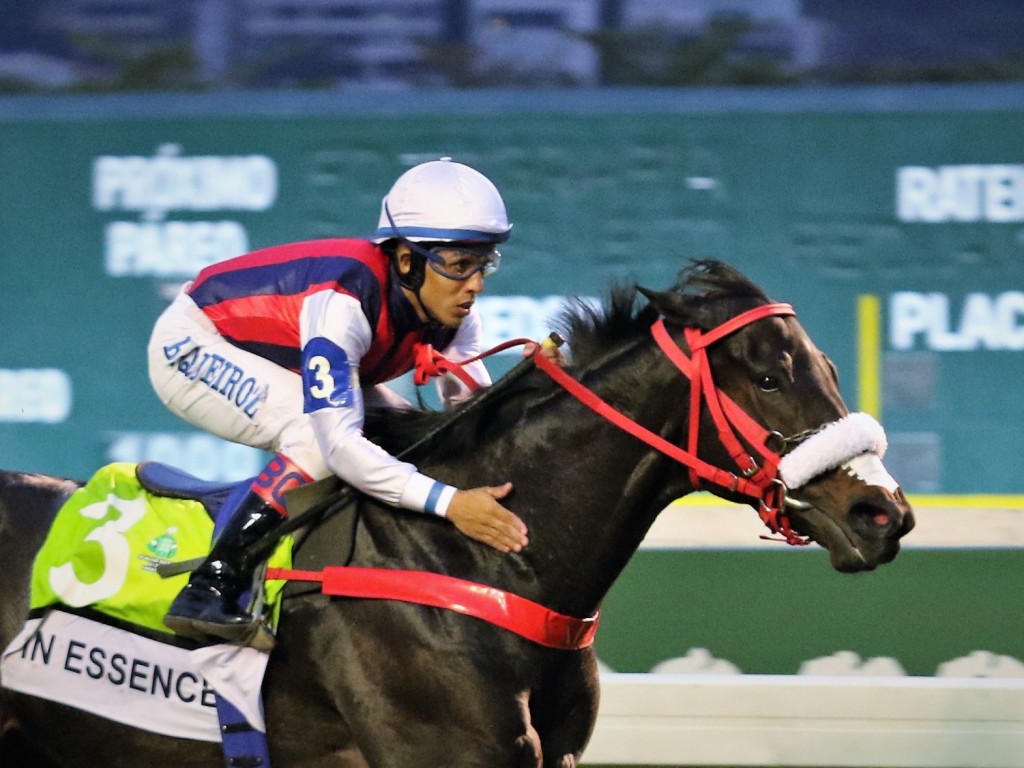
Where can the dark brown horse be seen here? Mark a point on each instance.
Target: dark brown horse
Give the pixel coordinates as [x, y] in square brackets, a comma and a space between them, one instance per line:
[355, 682]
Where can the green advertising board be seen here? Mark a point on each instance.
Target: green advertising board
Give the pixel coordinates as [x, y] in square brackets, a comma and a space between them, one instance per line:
[892, 219]
[932, 612]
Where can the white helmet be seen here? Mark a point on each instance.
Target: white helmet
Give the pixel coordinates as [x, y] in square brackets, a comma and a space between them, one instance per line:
[443, 201]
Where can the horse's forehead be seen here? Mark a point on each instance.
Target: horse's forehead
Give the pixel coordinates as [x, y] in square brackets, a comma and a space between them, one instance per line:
[784, 341]
[801, 347]
[782, 334]
[797, 335]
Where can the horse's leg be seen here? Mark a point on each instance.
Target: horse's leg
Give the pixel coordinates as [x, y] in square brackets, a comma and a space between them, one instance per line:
[18, 753]
[15, 751]
[478, 702]
[564, 709]
[28, 504]
[304, 719]
[372, 675]
[444, 711]
[72, 738]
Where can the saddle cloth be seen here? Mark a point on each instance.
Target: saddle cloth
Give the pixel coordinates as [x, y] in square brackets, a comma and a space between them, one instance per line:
[95, 639]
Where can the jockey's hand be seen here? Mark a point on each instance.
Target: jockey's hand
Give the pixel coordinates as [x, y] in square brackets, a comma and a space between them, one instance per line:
[477, 514]
[550, 351]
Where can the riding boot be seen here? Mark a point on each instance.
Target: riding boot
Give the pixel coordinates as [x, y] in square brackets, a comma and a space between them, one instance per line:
[208, 606]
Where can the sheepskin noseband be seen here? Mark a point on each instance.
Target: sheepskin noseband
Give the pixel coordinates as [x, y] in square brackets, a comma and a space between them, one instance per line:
[855, 442]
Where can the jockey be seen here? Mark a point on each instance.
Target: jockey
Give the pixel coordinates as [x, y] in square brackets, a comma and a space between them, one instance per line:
[280, 348]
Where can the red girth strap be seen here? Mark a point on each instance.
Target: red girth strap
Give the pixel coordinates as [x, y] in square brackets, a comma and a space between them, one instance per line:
[504, 609]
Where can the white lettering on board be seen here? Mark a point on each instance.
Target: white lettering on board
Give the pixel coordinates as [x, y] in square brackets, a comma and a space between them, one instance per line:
[200, 454]
[41, 395]
[992, 193]
[172, 248]
[981, 321]
[170, 181]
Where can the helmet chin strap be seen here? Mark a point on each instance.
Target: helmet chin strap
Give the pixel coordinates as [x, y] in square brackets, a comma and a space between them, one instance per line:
[413, 281]
[431, 318]
[413, 285]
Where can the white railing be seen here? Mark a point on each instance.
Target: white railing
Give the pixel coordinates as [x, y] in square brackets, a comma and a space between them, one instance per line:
[778, 720]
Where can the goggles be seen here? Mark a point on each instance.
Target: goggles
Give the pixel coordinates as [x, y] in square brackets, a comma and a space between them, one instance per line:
[459, 262]
[456, 262]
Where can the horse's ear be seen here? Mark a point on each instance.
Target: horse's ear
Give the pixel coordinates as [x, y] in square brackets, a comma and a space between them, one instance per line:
[670, 304]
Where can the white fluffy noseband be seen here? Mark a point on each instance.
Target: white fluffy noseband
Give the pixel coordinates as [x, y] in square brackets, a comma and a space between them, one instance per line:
[837, 444]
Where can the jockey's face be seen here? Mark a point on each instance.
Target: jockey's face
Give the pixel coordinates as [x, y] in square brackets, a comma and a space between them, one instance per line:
[446, 299]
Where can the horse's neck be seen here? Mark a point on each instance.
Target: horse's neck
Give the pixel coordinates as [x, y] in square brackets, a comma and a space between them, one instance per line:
[590, 490]
[587, 491]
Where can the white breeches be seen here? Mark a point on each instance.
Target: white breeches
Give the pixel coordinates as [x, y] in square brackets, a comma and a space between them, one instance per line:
[231, 393]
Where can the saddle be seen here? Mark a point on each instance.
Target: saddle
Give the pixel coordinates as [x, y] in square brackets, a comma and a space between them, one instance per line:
[174, 483]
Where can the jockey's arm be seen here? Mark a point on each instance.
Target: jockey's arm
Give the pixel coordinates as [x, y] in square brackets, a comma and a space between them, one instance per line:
[336, 334]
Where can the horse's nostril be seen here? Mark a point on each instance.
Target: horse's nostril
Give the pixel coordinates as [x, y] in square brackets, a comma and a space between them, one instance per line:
[871, 519]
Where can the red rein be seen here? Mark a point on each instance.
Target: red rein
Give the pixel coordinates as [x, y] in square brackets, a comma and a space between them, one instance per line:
[431, 363]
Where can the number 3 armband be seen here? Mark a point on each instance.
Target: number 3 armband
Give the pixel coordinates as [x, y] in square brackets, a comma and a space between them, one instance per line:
[326, 376]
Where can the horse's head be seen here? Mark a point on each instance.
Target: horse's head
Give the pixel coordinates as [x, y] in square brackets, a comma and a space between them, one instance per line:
[809, 466]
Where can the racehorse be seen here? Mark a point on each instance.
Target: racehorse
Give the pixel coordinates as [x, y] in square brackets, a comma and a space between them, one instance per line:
[708, 384]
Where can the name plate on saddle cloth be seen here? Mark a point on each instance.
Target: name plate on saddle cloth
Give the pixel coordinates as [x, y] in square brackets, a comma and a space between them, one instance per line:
[100, 556]
[131, 679]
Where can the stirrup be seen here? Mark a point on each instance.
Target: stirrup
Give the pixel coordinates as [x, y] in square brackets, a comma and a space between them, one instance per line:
[256, 633]
[193, 621]
[259, 635]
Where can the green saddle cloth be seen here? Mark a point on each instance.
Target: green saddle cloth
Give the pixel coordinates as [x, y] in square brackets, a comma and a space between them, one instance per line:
[107, 541]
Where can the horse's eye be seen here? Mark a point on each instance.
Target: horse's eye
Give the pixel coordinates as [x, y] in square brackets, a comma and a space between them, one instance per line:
[768, 383]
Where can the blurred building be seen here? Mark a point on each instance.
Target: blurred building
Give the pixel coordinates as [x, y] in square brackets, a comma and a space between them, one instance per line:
[338, 41]
[392, 43]
[536, 41]
[776, 31]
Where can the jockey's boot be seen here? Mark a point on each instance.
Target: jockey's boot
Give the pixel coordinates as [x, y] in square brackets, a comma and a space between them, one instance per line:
[208, 607]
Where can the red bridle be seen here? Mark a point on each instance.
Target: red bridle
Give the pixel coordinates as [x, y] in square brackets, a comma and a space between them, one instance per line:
[758, 477]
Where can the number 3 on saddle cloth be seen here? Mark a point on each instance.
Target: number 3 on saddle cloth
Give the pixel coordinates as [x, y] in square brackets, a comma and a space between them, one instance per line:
[95, 637]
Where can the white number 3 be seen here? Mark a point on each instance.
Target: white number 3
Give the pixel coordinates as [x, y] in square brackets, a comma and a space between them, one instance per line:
[116, 553]
[320, 367]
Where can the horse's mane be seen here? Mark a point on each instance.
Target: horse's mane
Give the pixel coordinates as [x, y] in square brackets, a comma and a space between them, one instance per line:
[706, 292]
